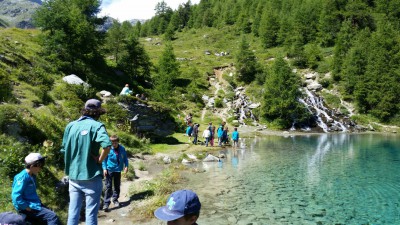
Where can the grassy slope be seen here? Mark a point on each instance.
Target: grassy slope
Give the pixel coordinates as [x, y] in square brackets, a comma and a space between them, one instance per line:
[192, 44]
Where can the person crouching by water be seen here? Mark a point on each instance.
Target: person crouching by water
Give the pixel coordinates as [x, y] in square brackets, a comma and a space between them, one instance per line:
[113, 164]
[24, 196]
[81, 143]
[182, 208]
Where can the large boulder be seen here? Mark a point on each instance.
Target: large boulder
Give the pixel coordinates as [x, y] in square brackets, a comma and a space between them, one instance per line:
[74, 79]
[145, 120]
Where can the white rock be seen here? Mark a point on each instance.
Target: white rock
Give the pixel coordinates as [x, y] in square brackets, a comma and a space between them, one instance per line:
[74, 79]
[105, 93]
[310, 75]
[167, 160]
[314, 86]
[254, 105]
[185, 161]
[193, 157]
[205, 98]
[211, 158]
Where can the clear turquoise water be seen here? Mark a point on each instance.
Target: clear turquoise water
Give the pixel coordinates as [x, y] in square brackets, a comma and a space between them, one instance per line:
[318, 179]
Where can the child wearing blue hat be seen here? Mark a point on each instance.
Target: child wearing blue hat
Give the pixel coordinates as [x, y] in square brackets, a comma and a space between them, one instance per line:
[182, 208]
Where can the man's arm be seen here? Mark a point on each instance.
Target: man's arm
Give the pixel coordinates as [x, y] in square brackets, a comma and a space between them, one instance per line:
[104, 154]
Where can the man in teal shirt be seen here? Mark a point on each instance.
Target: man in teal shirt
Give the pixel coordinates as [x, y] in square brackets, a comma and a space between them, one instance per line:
[81, 143]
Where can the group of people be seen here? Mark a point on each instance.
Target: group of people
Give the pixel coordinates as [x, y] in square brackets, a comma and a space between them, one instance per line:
[209, 133]
[86, 167]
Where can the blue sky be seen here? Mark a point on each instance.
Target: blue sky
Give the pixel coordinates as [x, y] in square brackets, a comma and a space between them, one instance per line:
[135, 9]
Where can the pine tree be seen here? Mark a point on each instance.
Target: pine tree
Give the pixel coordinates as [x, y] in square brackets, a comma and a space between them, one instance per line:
[269, 28]
[329, 23]
[134, 60]
[168, 69]
[246, 62]
[281, 93]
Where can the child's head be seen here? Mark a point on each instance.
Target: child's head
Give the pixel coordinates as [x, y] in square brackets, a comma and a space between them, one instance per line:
[235, 129]
[182, 208]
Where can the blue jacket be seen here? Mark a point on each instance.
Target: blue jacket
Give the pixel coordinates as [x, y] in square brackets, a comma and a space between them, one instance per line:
[220, 131]
[24, 192]
[111, 164]
[189, 130]
[235, 135]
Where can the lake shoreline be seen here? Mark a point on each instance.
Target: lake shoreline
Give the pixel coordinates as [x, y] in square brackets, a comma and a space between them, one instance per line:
[154, 161]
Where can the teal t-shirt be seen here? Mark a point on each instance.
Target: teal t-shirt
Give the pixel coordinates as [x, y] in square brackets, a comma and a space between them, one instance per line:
[81, 144]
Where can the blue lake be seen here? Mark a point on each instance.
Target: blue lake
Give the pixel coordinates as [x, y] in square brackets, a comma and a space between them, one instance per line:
[315, 179]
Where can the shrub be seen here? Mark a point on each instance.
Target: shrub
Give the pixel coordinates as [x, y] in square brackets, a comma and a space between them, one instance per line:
[325, 82]
[5, 85]
[218, 103]
[220, 93]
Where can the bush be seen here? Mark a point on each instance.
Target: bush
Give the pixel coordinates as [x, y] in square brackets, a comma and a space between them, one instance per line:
[116, 115]
[325, 82]
[220, 93]
[65, 91]
[218, 103]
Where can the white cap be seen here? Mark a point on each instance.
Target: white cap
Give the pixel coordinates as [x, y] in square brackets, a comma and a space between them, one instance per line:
[33, 157]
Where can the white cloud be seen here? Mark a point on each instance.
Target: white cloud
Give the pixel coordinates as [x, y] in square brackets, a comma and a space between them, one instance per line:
[135, 9]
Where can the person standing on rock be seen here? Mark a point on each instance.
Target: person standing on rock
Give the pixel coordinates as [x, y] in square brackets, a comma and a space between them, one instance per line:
[81, 143]
[113, 164]
[188, 118]
[182, 208]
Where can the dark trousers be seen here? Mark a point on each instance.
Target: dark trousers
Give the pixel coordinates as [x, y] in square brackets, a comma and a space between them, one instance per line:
[195, 139]
[112, 177]
[43, 216]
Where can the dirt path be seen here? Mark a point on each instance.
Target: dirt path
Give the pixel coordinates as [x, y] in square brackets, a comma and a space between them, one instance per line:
[125, 214]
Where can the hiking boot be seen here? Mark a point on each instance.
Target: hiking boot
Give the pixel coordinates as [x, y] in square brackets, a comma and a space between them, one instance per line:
[116, 203]
[105, 208]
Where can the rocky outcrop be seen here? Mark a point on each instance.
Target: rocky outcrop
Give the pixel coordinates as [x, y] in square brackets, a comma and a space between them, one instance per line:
[19, 13]
[147, 121]
[327, 119]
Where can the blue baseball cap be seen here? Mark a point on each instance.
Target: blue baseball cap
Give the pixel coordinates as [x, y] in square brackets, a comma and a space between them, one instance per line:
[179, 203]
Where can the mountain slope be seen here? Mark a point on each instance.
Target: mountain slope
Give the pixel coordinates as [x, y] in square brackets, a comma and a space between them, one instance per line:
[19, 13]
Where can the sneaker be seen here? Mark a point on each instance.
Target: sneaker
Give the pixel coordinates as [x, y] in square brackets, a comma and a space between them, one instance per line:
[105, 208]
[116, 203]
